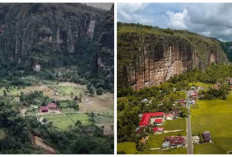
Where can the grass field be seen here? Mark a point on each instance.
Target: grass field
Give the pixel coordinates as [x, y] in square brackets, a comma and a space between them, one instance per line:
[200, 84]
[102, 118]
[127, 147]
[214, 116]
[176, 124]
[63, 121]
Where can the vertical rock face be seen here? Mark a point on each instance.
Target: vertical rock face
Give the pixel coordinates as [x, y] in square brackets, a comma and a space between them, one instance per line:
[146, 59]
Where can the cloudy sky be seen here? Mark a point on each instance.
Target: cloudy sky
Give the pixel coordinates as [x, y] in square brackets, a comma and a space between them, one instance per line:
[210, 19]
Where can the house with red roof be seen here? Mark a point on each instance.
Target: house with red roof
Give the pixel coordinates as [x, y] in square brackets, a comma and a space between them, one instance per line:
[159, 121]
[150, 118]
[43, 109]
[52, 106]
[174, 141]
[158, 130]
[169, 116]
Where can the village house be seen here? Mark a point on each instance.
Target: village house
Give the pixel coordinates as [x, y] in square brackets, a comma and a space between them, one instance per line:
[159, 121]
[146, 101]
[182, 101]
[169, 116]
[43, 109]
[174, 141]
[158, 130]
[150, 118]
[52, 106]
[49, 107]
[196, 139]
[207, 136]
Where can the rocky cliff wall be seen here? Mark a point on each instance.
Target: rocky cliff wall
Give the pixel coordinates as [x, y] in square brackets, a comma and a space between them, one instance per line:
[146, 58]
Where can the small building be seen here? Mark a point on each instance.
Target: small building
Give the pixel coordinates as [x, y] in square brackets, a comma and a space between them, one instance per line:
[158, 130]
[52, 106]
[206, 136]
[166, 144]
[193, 88]
[159, 121]
[182, 101]
[192, 102]
[169, 116]
[196, 139]
[43, 109]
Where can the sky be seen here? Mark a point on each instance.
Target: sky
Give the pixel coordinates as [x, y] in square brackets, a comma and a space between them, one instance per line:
[209, 19]
[105, 6]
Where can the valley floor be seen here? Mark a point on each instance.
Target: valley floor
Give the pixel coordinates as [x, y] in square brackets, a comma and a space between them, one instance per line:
[101, 105]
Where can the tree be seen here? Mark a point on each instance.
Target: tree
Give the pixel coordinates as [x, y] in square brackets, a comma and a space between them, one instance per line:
[91, 91]
[184, 112]
[99, 91]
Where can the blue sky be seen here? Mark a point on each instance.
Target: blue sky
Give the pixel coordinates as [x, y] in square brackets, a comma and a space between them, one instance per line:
[210, 19]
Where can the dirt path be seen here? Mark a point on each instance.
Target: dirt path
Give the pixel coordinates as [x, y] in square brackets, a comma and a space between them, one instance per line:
[39, 142]
[167, 131]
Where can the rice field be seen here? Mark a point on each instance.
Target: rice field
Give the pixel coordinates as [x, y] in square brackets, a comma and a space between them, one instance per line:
[214, 116]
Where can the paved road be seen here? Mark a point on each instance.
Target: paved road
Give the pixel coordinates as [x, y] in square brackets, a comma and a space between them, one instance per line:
[189, 132]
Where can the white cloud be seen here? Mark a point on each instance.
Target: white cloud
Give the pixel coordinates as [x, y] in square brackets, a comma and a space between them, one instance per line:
[131, 13]
[177, 20]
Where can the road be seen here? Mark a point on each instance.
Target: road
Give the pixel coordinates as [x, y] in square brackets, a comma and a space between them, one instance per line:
[189, 131]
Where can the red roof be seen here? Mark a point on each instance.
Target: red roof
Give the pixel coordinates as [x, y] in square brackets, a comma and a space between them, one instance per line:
[146, 117]
[52, 105]
[158, 129]
[159, 120]
[44, 108]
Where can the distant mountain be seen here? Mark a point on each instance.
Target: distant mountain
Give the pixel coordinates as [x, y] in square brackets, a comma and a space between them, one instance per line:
[54, 36]
[150, 55]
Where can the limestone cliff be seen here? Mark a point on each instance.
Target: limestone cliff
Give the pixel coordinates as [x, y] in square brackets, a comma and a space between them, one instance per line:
[149, 56]
[55, 36]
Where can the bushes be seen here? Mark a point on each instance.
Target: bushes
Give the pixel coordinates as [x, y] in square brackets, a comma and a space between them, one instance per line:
[100, 91]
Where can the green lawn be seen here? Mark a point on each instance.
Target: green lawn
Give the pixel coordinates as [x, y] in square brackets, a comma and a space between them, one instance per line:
[103, 118]
[63, 121]
[67, 89]
[200, 84]
[127, 147]
[176, 124]
[214, 116]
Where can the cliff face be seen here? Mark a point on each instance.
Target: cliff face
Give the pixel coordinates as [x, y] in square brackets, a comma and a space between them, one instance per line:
[55, 36]
[149, 56]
